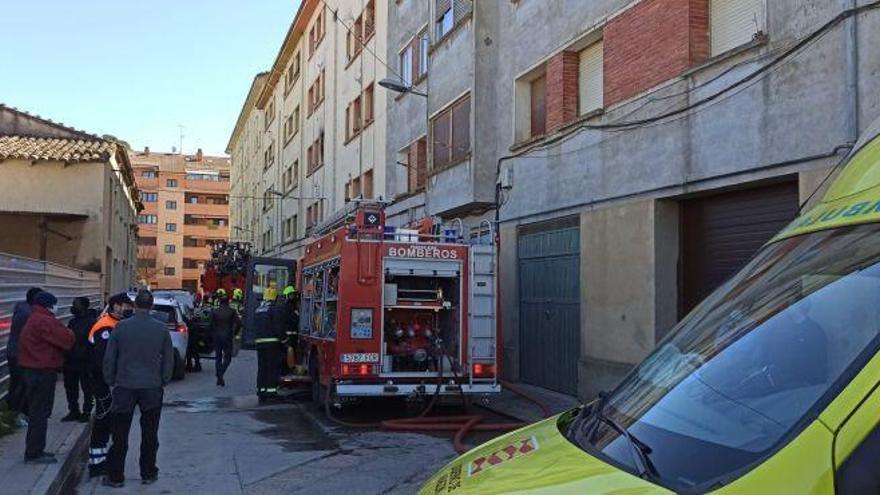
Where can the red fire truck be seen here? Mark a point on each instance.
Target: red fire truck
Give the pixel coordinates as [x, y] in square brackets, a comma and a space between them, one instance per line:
[396, 312]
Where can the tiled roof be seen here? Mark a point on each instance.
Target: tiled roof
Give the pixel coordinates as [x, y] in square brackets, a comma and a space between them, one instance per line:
[45, 149]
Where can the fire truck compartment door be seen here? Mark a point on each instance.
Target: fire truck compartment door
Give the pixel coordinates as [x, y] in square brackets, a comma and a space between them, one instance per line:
[422, 268]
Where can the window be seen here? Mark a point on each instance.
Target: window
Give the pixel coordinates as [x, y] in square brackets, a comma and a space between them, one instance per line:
[267, 199]
[313, 214]
[353, 119]
[292, 73]
[171, 182]
[734, 22]
[417, 164]
[538, 106]
[445, 17]
[316, 154]
[591, 78]
[269, 156]
[369, 20]
[451, 134]
[171, 205]
[148, 219]
[170, 227]
[316, 33]
[269, 116]
[316, 93]
[150, 174]
[289, 177]
[354, 39]
[194, 200]
[146, 241]
[368, 105]
[424, 43]
[169, 271]
[288, 128]
[406, 65]
[149, 197]
[170, 248]
[190, 263]
[290, 228]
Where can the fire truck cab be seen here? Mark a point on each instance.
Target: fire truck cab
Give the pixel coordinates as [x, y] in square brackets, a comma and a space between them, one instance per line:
[397, 312]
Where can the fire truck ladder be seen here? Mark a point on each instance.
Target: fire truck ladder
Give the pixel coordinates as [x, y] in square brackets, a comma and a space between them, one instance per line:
[482, 317]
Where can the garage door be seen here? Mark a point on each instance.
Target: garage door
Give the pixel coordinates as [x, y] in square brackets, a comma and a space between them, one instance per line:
[549, 302]
[721, 233]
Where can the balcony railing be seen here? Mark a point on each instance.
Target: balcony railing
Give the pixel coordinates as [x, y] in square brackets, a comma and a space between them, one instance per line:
[204, 231]
[197, 253]
[206, 186]
[206, 209]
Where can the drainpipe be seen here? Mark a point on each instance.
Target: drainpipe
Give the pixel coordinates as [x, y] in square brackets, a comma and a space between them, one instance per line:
[852, 71]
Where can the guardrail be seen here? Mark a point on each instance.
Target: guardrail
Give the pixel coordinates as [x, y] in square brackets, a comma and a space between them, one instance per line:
[18, 274]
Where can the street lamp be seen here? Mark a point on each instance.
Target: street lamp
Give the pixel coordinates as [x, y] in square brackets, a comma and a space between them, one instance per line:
[398, 87]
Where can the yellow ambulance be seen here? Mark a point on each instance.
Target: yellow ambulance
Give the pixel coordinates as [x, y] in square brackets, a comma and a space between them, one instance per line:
[770, 385]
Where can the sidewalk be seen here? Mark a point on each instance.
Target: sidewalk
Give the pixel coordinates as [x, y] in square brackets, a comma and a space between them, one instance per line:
[63, 439]
[512, 404]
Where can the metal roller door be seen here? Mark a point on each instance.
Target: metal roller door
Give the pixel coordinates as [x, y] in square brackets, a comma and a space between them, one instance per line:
[549, 303]
[721, 233]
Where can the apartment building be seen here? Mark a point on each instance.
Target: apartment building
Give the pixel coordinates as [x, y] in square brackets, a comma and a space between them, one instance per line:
[632, 153]
[186, 210]
[314, 118]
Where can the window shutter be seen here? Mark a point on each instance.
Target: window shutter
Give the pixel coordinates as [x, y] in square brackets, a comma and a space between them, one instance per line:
[734, 23]
[590, 78]
[461, 130]
[538, 97]
[416, 58]
[442, 5]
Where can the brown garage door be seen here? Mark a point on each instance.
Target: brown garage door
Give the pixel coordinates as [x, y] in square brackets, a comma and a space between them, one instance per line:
[720, 233]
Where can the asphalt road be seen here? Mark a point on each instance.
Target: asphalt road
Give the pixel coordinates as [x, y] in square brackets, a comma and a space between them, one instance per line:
[220, 441]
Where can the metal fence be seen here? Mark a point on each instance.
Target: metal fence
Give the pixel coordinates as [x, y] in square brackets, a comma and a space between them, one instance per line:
[18, 274]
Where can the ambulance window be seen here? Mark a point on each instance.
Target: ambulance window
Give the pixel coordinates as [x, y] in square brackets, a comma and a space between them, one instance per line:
[859, 473]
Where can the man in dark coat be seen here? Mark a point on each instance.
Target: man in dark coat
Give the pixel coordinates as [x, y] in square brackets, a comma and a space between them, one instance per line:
[76, 362]
[42, 345]
[138, 365]
[224, 325]
[20, 313]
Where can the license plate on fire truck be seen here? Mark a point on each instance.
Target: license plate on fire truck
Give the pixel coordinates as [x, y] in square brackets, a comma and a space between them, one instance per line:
[361, 357]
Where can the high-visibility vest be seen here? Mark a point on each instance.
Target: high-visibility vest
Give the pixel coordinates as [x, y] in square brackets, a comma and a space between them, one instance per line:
[105, 321]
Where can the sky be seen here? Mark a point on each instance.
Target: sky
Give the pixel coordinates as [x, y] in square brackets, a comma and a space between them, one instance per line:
[139, 69]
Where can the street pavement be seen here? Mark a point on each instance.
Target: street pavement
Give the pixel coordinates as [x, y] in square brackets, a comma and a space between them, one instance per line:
[220, 441]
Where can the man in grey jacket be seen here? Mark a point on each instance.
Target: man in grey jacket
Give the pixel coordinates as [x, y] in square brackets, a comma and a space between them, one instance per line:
[138, 365]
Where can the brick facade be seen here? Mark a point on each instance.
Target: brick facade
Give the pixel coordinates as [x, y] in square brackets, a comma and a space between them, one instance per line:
[562, 90]
[653, 42]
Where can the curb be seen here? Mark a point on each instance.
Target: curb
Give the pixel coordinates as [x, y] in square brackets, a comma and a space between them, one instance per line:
[56, 481]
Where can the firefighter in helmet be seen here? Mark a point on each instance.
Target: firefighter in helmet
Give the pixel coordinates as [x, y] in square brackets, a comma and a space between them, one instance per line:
[288, 314]
[237, 302]
[269, 334]
[218, 295]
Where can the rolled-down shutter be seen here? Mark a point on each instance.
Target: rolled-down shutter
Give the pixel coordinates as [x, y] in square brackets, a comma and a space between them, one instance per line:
[734, 22]
[590, 78]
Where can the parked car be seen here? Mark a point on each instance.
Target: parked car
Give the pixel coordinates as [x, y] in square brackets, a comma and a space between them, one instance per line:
[182, 296]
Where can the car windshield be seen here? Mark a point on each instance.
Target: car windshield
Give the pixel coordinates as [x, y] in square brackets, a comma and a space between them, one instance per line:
[744, 370]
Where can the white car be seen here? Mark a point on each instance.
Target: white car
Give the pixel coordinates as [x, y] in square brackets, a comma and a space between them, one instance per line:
[168, 311]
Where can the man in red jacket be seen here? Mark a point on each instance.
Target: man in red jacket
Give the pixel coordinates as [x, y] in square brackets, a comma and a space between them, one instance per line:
[41, 348]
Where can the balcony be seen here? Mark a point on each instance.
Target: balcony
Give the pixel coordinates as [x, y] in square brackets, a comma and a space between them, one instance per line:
[191, 273]
[206, 231]
[206, 186]
[206, 209]
[197, 253]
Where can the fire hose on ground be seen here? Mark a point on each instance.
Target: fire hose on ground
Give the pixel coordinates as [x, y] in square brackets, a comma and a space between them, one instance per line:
[462, 425]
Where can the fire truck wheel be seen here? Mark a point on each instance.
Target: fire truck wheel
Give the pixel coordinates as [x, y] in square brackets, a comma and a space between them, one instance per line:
[319, 391]
[179, 367]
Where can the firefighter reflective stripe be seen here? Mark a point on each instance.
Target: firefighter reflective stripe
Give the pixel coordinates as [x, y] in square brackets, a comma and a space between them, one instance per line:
[266, 340]
[97, 456]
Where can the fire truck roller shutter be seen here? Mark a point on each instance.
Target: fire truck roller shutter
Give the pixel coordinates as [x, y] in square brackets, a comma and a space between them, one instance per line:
[422, 268]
